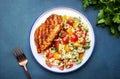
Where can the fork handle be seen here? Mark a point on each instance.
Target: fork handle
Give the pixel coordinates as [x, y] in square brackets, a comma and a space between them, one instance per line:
[28, 74]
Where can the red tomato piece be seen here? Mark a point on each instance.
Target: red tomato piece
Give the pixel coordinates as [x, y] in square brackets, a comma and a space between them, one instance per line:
[61, 67]
[48, 64]
[79, 29]
[56, 44]
[47, 52]
[84, 42]
[74, 37]
[69, 66]
[65, 39]
[70, 22]
[51, 55]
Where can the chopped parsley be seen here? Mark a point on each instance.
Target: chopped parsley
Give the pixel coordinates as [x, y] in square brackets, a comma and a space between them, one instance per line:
[109, 14]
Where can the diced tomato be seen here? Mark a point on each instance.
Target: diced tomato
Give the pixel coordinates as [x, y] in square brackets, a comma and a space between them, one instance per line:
[79, 29]
[51, 55]
[70, 22]
[48, 64]
[84, 42]
[69, 66]
[74, 37]
[65, 39]
[56, 44]
[61, 67]
[47, 52]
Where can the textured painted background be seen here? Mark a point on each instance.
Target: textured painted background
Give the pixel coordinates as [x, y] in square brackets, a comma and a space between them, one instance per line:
[16, 19]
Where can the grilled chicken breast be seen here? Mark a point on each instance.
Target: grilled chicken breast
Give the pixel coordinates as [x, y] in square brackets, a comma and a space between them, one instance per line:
[47, 31]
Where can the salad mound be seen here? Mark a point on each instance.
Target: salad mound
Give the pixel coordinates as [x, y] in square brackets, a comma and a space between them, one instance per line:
[69, 47]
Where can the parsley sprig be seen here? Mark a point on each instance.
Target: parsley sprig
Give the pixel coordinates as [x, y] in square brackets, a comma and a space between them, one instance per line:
[109, 14]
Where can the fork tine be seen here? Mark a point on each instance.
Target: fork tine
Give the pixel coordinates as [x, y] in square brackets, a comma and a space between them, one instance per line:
[16, 53]
[19, 54]
[23, 55]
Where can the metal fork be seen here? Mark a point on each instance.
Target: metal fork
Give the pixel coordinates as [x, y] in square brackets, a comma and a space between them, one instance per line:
[22, 60]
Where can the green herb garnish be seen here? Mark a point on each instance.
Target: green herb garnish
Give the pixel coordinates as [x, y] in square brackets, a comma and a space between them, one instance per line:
[109, 14]
[53, 48]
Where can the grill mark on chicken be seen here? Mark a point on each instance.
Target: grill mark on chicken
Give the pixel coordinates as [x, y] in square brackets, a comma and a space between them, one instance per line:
[44, 36]
[48, 28]
[47, 31]
[41, 36]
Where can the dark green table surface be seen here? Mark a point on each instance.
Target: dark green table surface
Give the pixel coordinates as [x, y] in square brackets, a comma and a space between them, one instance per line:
[16, 19]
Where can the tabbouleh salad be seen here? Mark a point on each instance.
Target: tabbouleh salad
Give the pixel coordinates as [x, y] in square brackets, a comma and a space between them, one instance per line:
[70, 46]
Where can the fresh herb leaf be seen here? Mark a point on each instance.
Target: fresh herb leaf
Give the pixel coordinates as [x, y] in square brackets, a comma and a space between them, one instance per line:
[87, 47]
[85, 3]
[109, 14]
[116, 18]
[119, 28]
[53, 48]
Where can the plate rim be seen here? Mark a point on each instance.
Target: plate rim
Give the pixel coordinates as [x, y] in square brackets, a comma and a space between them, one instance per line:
[76, 11]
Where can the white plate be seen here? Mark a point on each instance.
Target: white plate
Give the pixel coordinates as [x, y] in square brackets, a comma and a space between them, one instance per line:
[61, 11]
